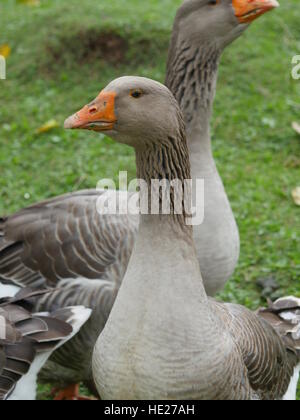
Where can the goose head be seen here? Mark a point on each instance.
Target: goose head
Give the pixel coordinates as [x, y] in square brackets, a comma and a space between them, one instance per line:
[218, 22]
[132, 110]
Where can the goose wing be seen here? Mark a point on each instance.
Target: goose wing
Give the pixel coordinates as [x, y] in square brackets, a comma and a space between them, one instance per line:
[270, 350]
[62, 238]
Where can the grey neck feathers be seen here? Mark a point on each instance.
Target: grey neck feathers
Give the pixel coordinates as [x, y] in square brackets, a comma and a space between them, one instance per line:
[192, 76]
[167, 159]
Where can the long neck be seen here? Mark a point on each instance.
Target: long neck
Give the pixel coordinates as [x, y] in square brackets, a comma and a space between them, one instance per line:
[164, 167]
[165, 171]
[192, 76]
[166, 237]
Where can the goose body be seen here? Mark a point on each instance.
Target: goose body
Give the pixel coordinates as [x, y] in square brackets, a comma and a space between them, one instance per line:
[29, 339]
[64, 242]
[165, 339]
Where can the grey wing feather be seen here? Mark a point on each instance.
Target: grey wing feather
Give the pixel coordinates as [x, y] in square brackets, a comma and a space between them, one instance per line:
[269, 361]
[24, 334]
[61, 238]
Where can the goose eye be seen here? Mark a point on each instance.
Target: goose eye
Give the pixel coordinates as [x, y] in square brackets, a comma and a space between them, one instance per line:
[213, 2]
[136, 94]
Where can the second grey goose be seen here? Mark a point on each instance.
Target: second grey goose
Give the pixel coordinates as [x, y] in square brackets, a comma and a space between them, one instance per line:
[65, 242]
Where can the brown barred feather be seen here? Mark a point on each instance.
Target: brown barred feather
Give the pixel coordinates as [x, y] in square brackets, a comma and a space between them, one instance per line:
[270, 359]
[24, 334]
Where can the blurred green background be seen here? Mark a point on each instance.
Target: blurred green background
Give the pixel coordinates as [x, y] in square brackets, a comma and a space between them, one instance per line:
[64, 51]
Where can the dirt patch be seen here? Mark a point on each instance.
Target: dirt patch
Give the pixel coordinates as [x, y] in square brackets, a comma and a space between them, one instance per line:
[87, 46]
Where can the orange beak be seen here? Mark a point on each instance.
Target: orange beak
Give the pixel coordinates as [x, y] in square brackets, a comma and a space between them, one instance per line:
[97, 116]
[248, 10]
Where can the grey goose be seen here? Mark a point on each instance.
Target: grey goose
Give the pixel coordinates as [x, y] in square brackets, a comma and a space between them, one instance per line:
[65, 242]
[164, 338]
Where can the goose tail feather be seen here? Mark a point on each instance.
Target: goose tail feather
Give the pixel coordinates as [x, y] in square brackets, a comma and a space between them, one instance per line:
[28, 339]
[76, 316]
[284, 317]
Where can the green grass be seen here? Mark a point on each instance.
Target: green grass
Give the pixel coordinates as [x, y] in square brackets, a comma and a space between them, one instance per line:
[55, 68]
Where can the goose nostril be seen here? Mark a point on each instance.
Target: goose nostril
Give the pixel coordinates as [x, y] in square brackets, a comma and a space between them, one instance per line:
[93, 110]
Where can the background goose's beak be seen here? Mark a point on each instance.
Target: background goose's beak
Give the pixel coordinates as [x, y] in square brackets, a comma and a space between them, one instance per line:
[248, 10]
[97, 116]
